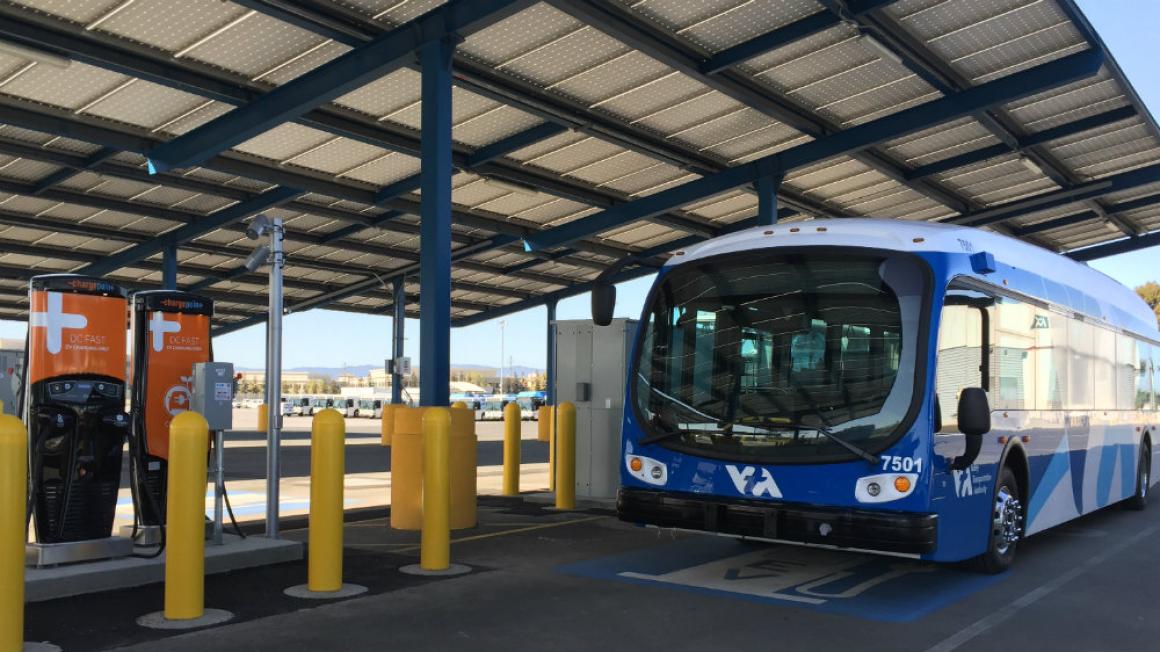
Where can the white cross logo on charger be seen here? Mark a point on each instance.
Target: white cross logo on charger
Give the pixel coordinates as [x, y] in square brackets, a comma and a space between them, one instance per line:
[159, 327]
[56, 321]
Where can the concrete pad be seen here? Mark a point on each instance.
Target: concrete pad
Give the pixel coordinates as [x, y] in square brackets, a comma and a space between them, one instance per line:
[157, 620]
[77, 579]
[345, 591]
[40, 647]
[451, 570]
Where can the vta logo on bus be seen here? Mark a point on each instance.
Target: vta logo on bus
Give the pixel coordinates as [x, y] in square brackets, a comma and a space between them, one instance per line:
[747, 483]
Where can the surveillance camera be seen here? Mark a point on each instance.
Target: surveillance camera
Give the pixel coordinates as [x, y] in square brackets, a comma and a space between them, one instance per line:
[257, 258]
[257, 226]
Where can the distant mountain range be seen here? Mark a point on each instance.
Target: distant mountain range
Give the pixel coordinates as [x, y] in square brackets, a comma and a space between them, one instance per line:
[364, 369]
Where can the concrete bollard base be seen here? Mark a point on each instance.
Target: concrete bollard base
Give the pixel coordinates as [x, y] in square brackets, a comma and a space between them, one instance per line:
[346, 591]
[157, 620]
[453, 569]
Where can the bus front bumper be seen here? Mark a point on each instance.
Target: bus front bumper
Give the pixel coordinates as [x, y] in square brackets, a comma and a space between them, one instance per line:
[896, 532]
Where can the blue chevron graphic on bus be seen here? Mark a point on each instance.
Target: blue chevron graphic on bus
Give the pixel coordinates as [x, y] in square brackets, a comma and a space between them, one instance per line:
[914, 389]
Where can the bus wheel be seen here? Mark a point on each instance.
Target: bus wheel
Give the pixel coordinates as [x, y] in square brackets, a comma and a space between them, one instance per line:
[1143, 477]
[1006, 526]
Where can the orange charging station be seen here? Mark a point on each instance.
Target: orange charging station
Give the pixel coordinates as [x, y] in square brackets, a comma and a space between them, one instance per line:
[75, 405]
[170, 333]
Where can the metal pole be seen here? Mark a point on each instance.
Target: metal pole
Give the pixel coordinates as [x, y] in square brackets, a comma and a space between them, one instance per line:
[169, 268]
[550, 386]
[397, 325]
[219, 484]
[274, 380]
[502, 338]
[435, 224]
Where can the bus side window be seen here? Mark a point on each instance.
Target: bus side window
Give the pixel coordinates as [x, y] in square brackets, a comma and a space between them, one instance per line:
[960, 359]
[1155, 366]
[1144, 377]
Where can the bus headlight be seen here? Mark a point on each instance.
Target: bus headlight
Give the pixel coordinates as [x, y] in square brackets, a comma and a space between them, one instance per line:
[885, 487]
[646, 469]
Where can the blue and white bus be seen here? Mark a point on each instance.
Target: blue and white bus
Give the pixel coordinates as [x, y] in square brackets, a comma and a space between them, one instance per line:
[901, 387]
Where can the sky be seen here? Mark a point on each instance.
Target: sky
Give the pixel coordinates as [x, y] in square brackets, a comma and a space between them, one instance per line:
[323, 338]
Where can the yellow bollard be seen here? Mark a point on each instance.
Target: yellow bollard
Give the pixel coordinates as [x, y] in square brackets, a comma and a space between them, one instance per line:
[263, 418]
[327, 470]
[543, 422]
[459, 405]
[511, 449]
[435, 547]
[407, 468]
[387, 428]
[185, 513]
[566, 456]
[13, 530]
[464, 468]
[553, 413]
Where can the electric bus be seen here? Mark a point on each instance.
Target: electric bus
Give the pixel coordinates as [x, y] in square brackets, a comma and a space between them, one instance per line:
[909, 388]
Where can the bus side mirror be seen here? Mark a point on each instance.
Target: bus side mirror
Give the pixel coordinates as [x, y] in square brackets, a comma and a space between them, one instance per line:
[974, 422]
[603, 303]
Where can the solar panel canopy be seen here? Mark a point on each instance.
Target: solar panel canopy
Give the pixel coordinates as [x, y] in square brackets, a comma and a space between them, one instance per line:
[561, 111]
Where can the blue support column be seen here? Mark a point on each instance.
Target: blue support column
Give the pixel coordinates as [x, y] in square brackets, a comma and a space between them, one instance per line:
[169, 268]
[550, 365]
[767, 186]
[435, 225]
[398, 323]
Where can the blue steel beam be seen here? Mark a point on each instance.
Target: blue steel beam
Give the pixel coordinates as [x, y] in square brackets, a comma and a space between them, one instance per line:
[130, 59]
[783, 36]
[60, 176]
[623, 25]
[1000, 91]
[435, 239]
[1063, 197]
[358, 288]
[71, 127]
[1024, 142]
[1118, 247]
[331, 80]
[181, 234]
[1056, 223]
[169, 268]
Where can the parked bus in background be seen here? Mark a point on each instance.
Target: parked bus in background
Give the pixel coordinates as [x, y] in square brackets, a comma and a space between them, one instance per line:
[370, 408]
[299, 405]
[529, 408]
[474, 400]
[346, 405]
[911, 388]
[536, 398]
[316, 405]
[491, 409]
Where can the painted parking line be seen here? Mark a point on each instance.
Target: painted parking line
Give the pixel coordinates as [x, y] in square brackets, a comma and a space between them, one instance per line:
[854, 584]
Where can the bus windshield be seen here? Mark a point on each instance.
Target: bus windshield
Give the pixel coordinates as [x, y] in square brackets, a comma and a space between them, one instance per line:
[771, 357]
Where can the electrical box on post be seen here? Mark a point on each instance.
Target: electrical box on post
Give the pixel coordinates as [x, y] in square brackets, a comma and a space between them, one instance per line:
[213, 393]
[591, 367]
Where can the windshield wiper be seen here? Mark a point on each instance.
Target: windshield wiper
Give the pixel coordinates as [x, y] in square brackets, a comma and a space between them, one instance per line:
[792, 425]
[660, 435]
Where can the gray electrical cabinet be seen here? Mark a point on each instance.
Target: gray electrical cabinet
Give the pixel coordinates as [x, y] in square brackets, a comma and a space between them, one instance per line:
[213, 393]
[591, 367]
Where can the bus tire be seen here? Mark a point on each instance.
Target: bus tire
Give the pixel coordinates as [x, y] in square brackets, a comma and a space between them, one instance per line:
[1006, 525]
[1143, 476]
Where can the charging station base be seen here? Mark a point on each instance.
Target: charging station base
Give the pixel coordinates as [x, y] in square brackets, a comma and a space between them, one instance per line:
[39, 555]
[147, 535]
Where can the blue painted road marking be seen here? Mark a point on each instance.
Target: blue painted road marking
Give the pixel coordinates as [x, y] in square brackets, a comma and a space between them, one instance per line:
[861, 585]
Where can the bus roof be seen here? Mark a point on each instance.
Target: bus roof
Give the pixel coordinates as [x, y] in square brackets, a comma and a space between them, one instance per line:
[1118, 304]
